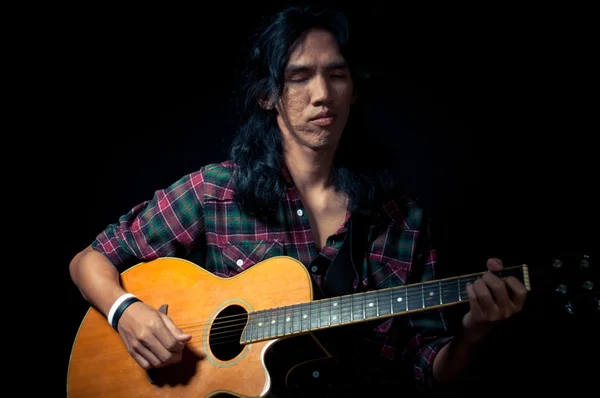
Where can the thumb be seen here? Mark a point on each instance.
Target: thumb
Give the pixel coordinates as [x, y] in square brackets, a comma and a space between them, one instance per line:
[494, 264]
[181, 336]
[178, 333]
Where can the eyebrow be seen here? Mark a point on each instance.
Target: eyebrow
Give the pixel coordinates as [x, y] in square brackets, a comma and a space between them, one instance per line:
[293, 68]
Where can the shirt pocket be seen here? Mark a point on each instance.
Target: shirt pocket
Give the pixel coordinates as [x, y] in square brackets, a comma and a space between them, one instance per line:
[240, 255]
[386, 272]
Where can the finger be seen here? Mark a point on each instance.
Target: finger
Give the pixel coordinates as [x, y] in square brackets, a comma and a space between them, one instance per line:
[475, 307]
[485, 299]
[141, 360]
[174, 357]
[163, 344]
[499, 295]
[519, 291]
[494, 264]
[155, 342]
[180, 338]
[142, 354]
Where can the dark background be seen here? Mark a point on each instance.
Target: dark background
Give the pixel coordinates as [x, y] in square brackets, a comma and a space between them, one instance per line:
[489, 110]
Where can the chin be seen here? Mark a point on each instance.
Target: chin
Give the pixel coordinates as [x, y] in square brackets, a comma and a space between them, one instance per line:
[322, 139]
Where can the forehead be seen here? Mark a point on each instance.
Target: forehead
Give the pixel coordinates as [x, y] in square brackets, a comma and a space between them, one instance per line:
[316, 47]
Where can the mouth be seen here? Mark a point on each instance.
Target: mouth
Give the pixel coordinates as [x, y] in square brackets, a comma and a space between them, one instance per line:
[323, 120]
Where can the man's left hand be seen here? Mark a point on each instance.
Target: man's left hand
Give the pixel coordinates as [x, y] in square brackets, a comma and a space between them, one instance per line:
[492, 299]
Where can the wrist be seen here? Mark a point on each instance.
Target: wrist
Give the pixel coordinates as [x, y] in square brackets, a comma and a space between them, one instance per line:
[118, 307]
[475, 335]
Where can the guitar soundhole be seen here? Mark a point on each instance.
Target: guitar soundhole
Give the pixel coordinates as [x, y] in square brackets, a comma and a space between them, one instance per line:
[226, 331]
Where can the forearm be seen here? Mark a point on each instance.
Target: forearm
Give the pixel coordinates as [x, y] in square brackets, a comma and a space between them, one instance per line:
[97, 279]
[453, 359]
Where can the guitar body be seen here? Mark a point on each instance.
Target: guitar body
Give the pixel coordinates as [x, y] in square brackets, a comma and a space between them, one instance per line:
[100, 365]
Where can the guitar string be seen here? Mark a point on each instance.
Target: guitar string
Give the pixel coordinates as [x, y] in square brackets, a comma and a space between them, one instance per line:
[235, 330]
[233, 335]
[377, 294]
[318, 305]
[272, 329]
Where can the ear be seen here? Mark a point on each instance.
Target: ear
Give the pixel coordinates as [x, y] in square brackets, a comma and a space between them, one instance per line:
[265, 103]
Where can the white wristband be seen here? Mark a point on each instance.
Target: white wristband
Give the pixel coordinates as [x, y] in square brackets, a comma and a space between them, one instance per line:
[116, 305]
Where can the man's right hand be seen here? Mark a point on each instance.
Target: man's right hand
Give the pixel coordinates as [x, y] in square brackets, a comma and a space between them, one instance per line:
[151, 337]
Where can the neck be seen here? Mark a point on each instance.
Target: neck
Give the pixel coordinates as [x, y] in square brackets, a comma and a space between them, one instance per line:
[309, 168]
[288, 320]
[310, 171]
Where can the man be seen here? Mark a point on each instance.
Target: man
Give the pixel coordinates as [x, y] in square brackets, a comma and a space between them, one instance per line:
[292, 187]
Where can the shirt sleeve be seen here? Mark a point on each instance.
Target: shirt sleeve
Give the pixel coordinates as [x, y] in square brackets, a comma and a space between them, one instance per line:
[171, 223]
[428, 330]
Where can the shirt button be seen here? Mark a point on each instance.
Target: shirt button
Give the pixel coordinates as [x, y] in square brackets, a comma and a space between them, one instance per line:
[300, 212]
[240, 262]
[314, 268]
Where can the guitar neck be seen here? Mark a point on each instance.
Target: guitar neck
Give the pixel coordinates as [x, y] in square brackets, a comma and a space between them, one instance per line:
[362, 307]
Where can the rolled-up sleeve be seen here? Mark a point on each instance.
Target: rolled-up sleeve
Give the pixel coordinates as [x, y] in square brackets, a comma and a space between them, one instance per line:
[427, 331]
[169, 224]
[421, 350]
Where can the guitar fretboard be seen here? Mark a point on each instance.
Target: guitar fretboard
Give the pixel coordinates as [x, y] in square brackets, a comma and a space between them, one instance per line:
[361, 307]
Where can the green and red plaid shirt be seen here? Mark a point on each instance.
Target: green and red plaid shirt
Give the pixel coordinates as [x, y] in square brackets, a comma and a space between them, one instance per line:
[198, 213]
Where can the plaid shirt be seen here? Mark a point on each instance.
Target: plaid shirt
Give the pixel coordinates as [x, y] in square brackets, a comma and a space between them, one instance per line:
[198, 214]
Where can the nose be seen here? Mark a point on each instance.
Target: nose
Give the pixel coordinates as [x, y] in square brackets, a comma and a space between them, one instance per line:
[321, 92]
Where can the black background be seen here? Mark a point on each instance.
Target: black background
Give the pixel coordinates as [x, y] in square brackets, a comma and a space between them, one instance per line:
[490, 110]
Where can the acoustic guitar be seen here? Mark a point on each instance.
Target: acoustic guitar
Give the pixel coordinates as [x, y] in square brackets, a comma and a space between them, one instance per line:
[234, 323]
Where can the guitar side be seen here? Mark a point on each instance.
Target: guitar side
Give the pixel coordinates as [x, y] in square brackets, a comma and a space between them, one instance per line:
[100, 365]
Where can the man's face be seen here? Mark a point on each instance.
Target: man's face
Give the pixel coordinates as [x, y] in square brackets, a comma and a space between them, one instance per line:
[318, 92]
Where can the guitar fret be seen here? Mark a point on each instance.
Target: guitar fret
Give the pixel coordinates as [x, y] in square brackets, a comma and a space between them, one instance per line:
[358, 307]
[431, 294]
[266, 325]
[323, 314]
[260, 325]
[280, 322]
[271, 323]
[398, 300]
[254, 327]
[371, 305]
[345, 309]
[305, 314]
[364, 306]
[412, 297]
[297, 318]
[384, 300]
[314, 315]
[336, 311]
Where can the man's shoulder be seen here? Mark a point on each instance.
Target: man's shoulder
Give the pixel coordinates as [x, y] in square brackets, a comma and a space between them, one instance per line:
[218, 172]
[217, 180]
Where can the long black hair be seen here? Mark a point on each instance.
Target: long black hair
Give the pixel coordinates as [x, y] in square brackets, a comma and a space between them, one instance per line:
[257, 148]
